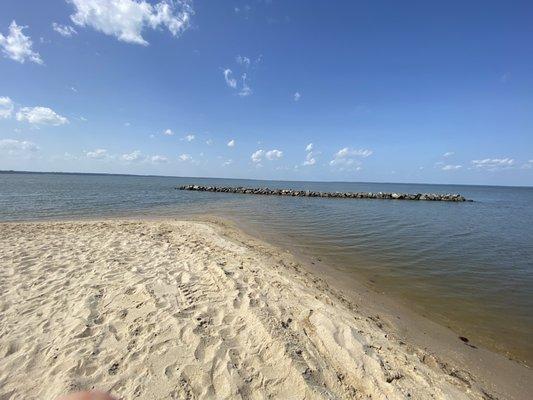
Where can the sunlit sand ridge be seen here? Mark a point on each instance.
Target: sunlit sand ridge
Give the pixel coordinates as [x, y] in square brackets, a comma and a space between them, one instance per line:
[170, 309]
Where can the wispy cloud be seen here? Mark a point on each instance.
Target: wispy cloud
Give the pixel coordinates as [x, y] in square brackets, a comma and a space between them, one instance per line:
[231, 82]
[185, 157]
[528, 164]
[297, 96]
[450, 167]
[6, 107]
[242, 84]
[245, 88]
[309, 159]
[135, 155]
[159, 159]
[231, 143]
[348, 158]
[14, 147]
[448, 154]
[310, 156]
[17, 46]
[98, 154]
[168, 132]
[244, 61]
[127, 19]
[493, 164]
[64, 30]
[189, 138]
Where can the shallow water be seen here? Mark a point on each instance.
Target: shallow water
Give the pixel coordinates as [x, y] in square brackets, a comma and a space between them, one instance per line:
[466, 265]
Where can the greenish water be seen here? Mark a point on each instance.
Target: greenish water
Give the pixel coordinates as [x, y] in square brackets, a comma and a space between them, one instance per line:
[466, 265]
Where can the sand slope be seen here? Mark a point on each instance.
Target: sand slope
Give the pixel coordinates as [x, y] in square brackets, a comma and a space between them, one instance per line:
[173, 310]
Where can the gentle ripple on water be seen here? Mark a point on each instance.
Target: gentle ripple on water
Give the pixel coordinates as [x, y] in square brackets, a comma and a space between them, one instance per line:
[467, 265]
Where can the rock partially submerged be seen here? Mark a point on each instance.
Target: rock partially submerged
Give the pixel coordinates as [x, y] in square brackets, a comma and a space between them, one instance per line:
[343, 195]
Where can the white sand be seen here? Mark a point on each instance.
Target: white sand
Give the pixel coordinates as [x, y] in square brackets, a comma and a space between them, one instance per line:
[176, 310]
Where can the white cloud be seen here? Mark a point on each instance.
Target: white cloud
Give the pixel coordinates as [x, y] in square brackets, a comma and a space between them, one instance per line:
[168, 132]
[345, 162]
[6, 107]
[98, 154]
[64, 30]
[231, 82]
[185, 157]
[347, 152]
[18, 46]
[209, 142]
[347, 158]
[189, 138]
[271, 155]
[297, 96]
[451, 167]
[13, 146]
[310, 156]
[245, 89]
[274, 154]
[126, 19]
[158, 159]
[493, 164]
[82, 118]
[133, 156]
[448, 154]
[257, 156]
[127, 123]
[227, 162]
[244, 61]
[41, 116]
[309, 159]
[231, 143]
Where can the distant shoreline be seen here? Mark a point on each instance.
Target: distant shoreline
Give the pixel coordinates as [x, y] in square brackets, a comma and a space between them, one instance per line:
[6, 172]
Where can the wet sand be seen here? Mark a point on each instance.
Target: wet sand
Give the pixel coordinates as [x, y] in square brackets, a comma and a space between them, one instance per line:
[197, 309]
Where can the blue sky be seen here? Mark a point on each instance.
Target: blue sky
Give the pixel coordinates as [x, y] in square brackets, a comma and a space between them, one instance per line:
[438, 92]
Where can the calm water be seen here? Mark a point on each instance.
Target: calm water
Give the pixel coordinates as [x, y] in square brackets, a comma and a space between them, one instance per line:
[467, 265]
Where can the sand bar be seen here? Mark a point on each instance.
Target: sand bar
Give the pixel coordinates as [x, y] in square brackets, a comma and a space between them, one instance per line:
[184, 310]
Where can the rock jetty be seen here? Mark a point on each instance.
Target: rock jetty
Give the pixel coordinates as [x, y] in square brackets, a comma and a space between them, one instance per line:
[342, 195]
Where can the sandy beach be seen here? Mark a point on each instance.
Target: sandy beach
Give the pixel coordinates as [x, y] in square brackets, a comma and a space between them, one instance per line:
[186, 309]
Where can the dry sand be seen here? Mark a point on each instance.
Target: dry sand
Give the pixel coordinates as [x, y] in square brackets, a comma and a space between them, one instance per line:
[179, 310]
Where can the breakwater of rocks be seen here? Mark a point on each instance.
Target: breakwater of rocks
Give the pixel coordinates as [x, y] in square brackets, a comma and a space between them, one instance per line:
[341, 195]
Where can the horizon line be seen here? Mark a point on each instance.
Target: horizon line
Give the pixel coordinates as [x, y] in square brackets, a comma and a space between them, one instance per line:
[248, 179]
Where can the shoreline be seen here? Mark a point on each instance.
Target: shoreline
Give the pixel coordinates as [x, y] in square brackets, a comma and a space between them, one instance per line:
[340, 278]
[396, 316]
[436, 347]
